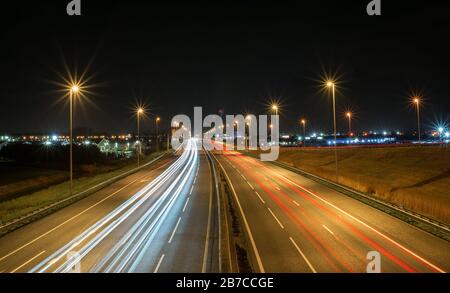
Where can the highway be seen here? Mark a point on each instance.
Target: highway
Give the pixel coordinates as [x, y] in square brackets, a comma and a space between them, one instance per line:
[160, 219]
[298, 225]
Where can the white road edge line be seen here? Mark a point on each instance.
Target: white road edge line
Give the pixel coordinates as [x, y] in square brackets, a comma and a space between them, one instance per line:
[303, 255]
[247, 227]
[278, 221]
[326, 228]
[208, 226]
[27, 262]
[174, 230]
[185, 205]
[159, 264]
[260, 198]
[296, 203]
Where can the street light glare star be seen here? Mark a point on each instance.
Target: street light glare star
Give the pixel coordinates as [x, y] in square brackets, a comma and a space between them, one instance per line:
[75, 88]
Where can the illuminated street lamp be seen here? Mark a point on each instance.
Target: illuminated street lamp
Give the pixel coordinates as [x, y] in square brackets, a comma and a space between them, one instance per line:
[139, 111]
[157, 137]
[303, 122]
[331, 84]
[349, 116]
[74, 89]
[416, 102]
[275, 109]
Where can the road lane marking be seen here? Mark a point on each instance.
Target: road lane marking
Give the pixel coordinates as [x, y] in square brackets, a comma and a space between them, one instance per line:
[244, 177]
[296, 203]
[251, 186]
[70, 219]
[326, 228]
[278, 221]
[277, 188]
[27, 262]
[195, 179]
[303, 255]
[174, 230]
[365, 225]
[247, 227]
[185, 205]
[159, 263]
[208, 226]
[192, 188]
[260, 198]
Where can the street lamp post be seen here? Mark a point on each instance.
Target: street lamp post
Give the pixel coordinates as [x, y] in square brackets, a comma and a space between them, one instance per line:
[157, 137]
[303, 121]
[74, 89]
[416, 101]
[349, 116]
[332, 85]
[140, 111]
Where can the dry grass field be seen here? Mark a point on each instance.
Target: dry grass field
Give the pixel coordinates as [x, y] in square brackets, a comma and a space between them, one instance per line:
[416, 177]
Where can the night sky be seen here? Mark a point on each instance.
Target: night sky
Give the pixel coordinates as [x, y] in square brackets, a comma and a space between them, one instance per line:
[216, 54]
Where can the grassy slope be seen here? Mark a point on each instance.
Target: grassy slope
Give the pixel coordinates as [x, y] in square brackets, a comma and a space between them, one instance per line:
[21, 206]
[416, 177]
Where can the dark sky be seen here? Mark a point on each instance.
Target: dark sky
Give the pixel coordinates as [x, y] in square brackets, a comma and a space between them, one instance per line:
[216, 54]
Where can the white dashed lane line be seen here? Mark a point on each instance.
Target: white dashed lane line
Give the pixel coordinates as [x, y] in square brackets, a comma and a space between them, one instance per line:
[159, 263]
[276, 219]
[326, 228]
[185, 205]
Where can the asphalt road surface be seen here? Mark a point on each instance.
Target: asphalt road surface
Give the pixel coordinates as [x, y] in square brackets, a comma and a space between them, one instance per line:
[299, 225]
[156, 220]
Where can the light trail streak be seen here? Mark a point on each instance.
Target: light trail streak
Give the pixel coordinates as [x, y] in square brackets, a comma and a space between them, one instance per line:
[177, 174]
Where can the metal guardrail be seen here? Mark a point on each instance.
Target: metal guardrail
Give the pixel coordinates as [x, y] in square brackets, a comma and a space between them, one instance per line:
[16, 223]
[436, 224]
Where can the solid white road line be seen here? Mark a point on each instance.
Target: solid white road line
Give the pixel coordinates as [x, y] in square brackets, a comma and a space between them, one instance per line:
[303, 255]
[260, 198]
[278, 221]
[208, 226]
[27, 262]
[159, 263]
[244, 177]
[251, 186]
[326, 228]
[185, 205]
[247, 227]
[296, 203]
[174, 230]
